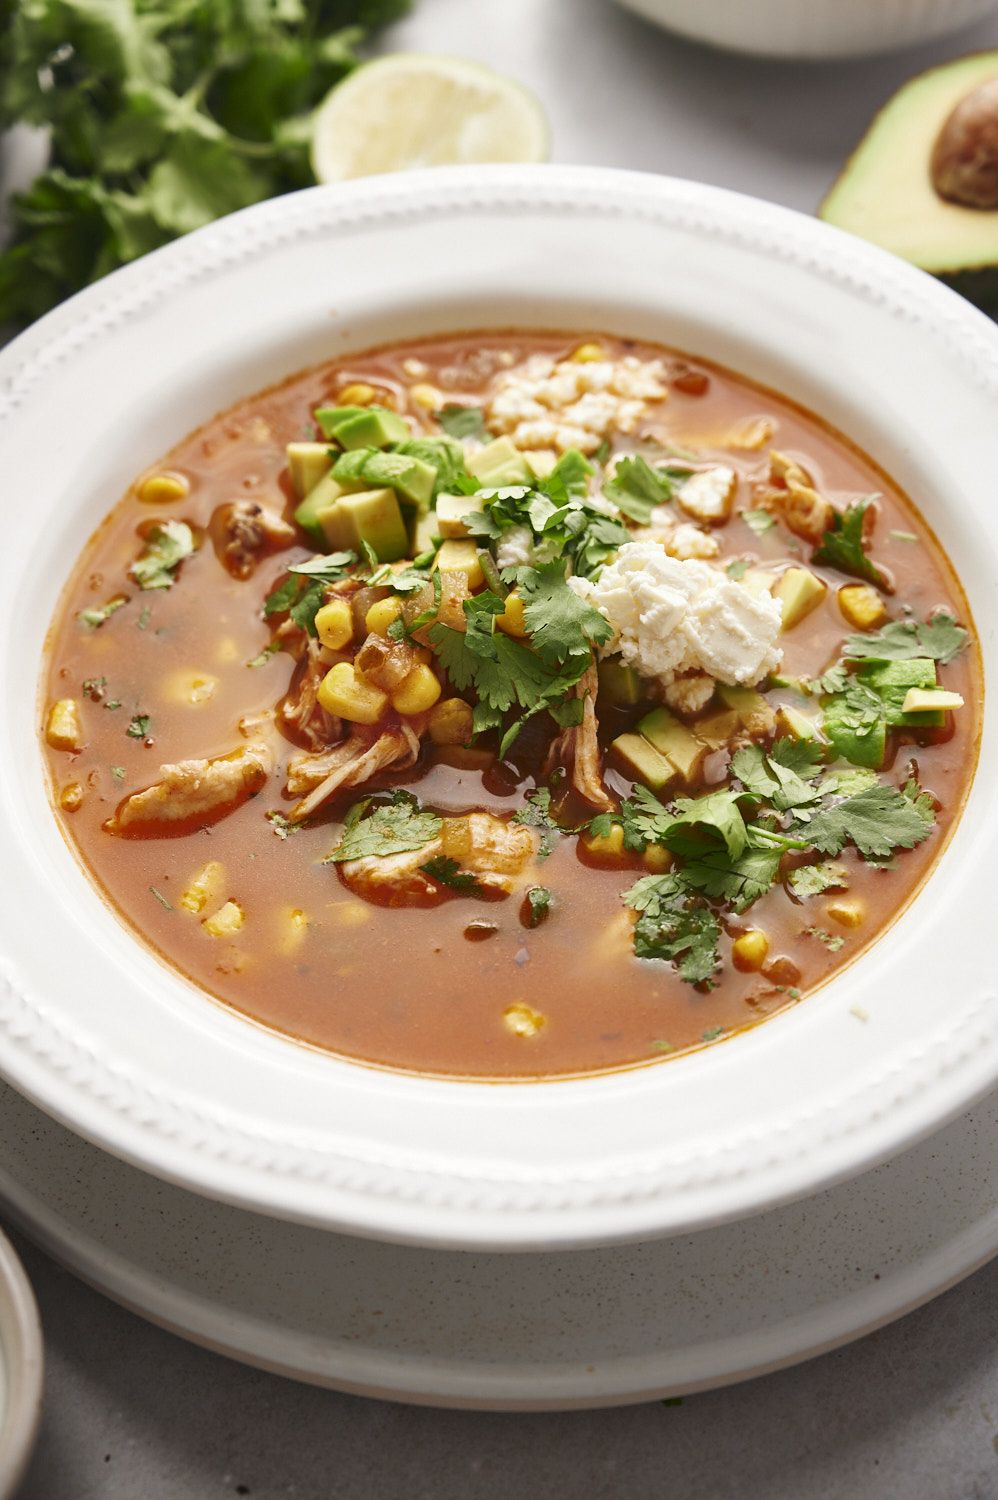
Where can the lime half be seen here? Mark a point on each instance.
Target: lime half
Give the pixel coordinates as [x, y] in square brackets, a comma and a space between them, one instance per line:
[416, 109]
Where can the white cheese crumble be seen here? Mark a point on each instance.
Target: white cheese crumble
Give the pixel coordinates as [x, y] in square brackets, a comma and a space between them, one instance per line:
[673, 617]
[545, 403]
[683, 540]
[709, 494]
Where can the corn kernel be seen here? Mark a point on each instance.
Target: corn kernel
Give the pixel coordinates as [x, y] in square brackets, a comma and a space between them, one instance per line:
[522, 1020]
[456, 556]
[608, 848]
[512, 621]
[426, 395]
[164, 489]
[204, 886]
[847, 913]
[71, 797]
[450, 722]
[226, 922]
[417, 692]
[192, 688]
[64, 729]
[351, 913]
[357, 394]
[294, 925]
[588, 354]
[657, 859]
[334, 624]
[861, 606]
[749, 949]
[382, 613]
[343, 694]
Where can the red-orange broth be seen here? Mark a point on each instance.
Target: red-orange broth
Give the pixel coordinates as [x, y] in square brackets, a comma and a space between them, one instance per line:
[431, 989]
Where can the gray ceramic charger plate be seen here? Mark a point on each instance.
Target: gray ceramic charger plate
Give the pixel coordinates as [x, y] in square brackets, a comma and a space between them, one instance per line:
[21, 1370]
[515, 1332]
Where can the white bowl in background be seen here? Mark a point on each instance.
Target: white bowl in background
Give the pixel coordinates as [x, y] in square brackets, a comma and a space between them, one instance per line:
[812, 29]
[99, 1032]
[21, 1370]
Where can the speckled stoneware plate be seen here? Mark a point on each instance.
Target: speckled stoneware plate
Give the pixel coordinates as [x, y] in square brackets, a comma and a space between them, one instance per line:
[21, 1370]
[97, 1031]
[526, 1332]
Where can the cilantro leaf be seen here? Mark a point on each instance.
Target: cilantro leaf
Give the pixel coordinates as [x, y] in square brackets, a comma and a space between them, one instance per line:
[644, 818]
[759, 521]
[536, 813]
[166, 547]
[923, 802]
[462, 421]
[940, 639]
[842, 546]
[716, 815]
[448, 872]
[812, 880]
[94, 618]
[636, 489]
[784, 776]
[328, 569]
[561, 624]
[737, 882]
[390, 828]
[569, 477]
[138, 726]
[539, 900]
[674, 927]
[877, 820]
[299, 597]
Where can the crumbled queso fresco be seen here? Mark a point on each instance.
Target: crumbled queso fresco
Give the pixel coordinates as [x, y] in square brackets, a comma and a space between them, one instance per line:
[564, 404]
[673, 617]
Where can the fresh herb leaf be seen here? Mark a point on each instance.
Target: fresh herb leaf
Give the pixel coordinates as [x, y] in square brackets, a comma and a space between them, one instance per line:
[145, 615]
[166, 547]
[138, 726]
[389, 828]
[737, 568]
[644, 818]
[561, 625]
[601, 826]
[539, 900]
[738, 882]
[923, 802]
[842, 545]
[636, 489]
[93, 688]
[305, 608]
[328, 569]
[167, 905]
[759, 521]
[536, 813]
[812, 880]
[262, 657]
[674, 926]
[448, 872]
[716, 815]
[832, 942]
[940, 639]
[282, 825]
[462, 421]
[118, 772]
[848, 780]
[877, 820]
[783, 776]
[95, 617]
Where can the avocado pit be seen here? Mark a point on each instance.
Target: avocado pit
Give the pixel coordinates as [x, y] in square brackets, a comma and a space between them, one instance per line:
[964, 162]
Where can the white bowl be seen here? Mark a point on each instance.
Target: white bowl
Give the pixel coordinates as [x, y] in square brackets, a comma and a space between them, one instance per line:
[101, 1034]
[21, 1370]
[812, 28]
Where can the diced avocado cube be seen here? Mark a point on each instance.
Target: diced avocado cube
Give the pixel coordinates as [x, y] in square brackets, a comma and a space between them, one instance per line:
[799, 591]
[642, 762]
[348, 470]
[931, 700]
[866, 748]
[330, 417]
[620, 684]
[451, 513]
[673, 740]
[790, 721]
[891, 680]
[308, 463]
[371, 516]
[499, 462]
[411, 478]
[719, 729]
[442, 454]
[319, 498]
[425, 533]
[372, 427]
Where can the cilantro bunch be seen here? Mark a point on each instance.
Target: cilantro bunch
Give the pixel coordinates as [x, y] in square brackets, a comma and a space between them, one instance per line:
[163, 115]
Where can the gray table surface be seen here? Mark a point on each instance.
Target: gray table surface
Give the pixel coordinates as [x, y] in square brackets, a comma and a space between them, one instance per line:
[910, 1411]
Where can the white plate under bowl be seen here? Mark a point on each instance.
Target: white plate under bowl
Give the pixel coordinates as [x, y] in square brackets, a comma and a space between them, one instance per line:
[543, 1332]
[21, 1370]
[102, 1035]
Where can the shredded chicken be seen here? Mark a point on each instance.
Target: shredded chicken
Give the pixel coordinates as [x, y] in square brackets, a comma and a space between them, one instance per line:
[579, 747]
[792, 495]
[494, 851]
[244, 532]
[193, 793]
[351, 763]
[301, 711]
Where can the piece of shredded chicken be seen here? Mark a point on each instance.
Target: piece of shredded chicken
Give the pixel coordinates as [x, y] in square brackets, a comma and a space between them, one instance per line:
[300, 710]
[791, 494]
[494, 851]
[193, 793]
[578, 747]
[243, 532]
[350, 763]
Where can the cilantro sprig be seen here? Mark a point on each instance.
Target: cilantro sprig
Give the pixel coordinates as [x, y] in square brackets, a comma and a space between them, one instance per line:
[393, 827]
[166, 547]
[939, 638]
[842, 546]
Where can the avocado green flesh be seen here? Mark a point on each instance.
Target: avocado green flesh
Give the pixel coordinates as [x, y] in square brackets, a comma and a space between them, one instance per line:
[885, 194]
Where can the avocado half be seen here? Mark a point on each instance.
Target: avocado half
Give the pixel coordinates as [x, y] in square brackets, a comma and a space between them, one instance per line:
[885, 192]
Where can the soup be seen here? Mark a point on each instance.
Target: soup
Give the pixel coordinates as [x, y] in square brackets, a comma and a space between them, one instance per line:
[511, 705]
